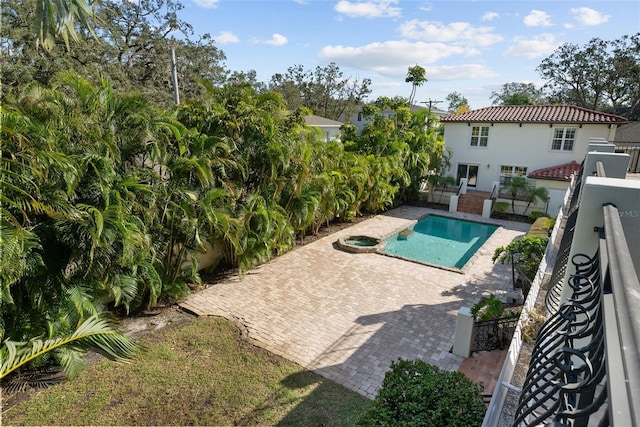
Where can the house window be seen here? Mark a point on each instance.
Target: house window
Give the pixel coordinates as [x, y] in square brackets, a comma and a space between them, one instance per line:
[479, 136]
[507, 172]
[360, 116]
[563, 139]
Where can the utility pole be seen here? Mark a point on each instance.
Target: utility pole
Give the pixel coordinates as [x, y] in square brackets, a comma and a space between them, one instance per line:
[174, 77]
[430, 103]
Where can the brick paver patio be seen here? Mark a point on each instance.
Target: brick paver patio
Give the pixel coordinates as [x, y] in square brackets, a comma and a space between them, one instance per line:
[348, 316]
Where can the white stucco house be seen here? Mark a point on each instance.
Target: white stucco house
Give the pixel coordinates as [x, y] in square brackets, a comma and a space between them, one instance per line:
[494, 143]
[330, 128]
[360, 121]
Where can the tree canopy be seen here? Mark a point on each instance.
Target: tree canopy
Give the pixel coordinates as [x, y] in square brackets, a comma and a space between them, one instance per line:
[457, 102]
[516, 93]
[131, 48]
[601, 75]
[325, 90]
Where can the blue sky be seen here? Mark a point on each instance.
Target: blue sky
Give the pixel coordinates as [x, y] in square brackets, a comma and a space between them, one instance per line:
[472, 47]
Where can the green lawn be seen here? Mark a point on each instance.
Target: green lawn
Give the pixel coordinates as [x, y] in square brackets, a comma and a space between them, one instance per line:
[198, 373]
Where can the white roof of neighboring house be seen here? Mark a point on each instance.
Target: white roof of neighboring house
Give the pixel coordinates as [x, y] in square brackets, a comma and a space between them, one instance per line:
[318, 121]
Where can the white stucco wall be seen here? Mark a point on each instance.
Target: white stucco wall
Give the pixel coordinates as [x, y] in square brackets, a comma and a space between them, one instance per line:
[557, 191]
[528, 145]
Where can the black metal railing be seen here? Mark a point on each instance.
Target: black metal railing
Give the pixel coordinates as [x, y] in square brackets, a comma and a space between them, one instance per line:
[575, 196]
[556, 282]
[585, 365]
[459, 188]
[564, 373]
[494, 334]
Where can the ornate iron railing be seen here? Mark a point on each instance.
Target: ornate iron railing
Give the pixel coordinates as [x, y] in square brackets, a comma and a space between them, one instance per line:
[585, 365]
[494, 334]
[556, 282]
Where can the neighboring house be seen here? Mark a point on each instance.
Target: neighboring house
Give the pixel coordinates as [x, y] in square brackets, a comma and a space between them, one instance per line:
[627, 141]
[360, 121]
[495, 143]
[330, 128]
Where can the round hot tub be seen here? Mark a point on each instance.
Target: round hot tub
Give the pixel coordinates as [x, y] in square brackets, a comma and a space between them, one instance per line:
[359, 244]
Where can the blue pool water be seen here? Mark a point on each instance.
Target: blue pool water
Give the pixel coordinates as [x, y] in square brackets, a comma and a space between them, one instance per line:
[447, 242]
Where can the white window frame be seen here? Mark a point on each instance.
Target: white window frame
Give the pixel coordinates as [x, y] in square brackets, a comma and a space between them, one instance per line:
[480, 140]
[564, 139]
[514, 171]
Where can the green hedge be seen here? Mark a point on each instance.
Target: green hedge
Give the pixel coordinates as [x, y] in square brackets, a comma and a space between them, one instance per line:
[415, 393]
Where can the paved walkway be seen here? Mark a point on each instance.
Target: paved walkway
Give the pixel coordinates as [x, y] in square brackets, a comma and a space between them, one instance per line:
[348, 316]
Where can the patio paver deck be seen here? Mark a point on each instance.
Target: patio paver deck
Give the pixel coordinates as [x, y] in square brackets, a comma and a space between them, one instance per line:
[348, 316]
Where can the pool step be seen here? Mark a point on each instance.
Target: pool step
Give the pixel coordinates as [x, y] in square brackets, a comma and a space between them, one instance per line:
[472, 202]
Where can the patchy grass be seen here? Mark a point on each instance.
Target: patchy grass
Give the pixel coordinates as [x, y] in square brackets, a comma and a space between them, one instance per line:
[199, 373]
[541, 227]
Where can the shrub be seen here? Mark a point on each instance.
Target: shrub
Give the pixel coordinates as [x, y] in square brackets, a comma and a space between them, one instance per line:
[415, 393]
[500, 207]
[538, 214]
[526, 253]
[487, 309]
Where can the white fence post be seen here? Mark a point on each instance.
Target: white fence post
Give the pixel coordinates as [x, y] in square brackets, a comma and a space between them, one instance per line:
[464, 333]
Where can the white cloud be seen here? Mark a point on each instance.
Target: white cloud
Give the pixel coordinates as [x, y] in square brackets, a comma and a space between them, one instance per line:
[537, 18]
[460, 72]
[391, 58]
[368, 9]
[226, 37]
[426, 7]
[207, 4]
[588, 17]
[455, 32]
[276, 40]
[490, 16]
[541, 45]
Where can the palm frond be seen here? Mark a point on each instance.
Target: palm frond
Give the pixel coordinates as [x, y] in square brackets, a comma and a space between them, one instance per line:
[95, 333]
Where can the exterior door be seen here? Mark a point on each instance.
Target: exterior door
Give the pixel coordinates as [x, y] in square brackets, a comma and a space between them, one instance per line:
[468, 171]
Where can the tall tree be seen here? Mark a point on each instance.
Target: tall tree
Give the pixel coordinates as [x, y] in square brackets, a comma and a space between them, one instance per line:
[602, 75]
[457, 102]
[416, 75]
[132, 50]
[516, 93]
[325, 90]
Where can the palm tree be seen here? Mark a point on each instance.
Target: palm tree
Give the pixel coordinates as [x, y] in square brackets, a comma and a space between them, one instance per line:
[57, 18]
[515, 186]
[415, 76]
[537, 193]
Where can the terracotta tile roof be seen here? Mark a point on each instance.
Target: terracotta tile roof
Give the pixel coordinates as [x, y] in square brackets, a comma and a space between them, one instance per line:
[535, 114]
[557, 173]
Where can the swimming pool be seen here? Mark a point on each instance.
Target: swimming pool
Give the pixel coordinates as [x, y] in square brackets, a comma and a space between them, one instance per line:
[440, 241]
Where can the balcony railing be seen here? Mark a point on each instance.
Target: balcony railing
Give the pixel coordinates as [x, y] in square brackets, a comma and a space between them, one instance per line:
[585, 365]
